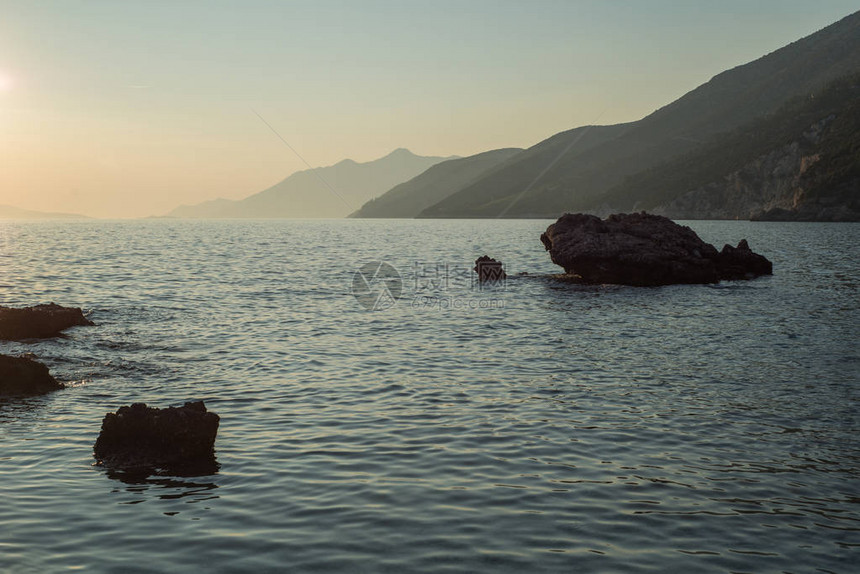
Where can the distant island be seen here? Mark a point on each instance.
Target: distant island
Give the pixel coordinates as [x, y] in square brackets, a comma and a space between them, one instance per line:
[11, 212]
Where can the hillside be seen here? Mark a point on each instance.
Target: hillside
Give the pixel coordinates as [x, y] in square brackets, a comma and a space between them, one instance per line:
[802, 162]
[333, 191]
[548, 179]
[492, 194]
[412, 197]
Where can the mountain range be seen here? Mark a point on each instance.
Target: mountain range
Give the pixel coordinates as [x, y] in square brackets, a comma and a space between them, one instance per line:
[576, 169]
[770, 139]
[414, 196]
[333, 191]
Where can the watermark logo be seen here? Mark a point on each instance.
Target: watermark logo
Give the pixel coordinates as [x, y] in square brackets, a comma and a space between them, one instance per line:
[490, 273]
[377, 286]
[443, 286]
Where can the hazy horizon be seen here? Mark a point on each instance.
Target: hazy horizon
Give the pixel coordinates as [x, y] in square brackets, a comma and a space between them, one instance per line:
[130, 111]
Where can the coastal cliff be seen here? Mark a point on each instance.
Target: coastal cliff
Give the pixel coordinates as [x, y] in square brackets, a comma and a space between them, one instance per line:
[778, 185]
[799, 164]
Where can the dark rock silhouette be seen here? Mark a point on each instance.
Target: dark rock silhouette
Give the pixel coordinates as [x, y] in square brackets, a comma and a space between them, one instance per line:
[24, 376]
[488, 269]
[644, 250]
[741, 263]
[38, 322]
[142, 437]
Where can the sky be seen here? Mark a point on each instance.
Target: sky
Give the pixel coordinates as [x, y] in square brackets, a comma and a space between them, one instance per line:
[129, 109]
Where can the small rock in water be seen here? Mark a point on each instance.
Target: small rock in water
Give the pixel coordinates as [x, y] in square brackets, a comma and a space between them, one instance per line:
[489, 270]
[39, 321]
[24, 376]
[139, 436]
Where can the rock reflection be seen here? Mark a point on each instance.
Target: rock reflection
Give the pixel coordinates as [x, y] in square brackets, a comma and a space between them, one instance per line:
[191, 481]
[18, 408]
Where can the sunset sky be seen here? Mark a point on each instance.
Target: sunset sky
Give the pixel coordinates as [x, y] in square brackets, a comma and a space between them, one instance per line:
[127, 109]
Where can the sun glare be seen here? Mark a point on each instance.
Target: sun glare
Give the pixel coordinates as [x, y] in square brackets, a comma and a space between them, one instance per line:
[5, 82]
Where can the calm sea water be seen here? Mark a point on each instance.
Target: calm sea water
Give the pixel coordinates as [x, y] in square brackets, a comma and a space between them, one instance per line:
[531, 427]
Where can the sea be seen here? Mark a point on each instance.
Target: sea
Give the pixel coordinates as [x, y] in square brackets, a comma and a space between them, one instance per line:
[381, 411]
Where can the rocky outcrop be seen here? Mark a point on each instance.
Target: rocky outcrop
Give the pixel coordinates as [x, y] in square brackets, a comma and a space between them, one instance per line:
[24, 376]
[767, 182]
[773, 187]
[734, 263]
[799, 163]
[644, 250]
[38, 322]
[795, 172]
[141, 437]
[842, 203]
[489, 270]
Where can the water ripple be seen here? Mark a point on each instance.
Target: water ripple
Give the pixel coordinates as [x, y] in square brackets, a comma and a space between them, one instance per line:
[686, 428]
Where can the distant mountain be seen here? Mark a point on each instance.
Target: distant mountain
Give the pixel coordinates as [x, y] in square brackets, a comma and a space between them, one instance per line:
[10, 212]
[333, 191]
[801, 163]
[572, 170]
[412, 197]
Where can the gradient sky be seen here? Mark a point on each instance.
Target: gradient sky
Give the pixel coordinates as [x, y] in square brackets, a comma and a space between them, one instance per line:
[126, 109]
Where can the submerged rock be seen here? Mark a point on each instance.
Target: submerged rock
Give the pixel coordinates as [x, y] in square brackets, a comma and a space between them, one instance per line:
[139, 436]
[24, 376]
[644, 250]
[38, 322]
[489, 270]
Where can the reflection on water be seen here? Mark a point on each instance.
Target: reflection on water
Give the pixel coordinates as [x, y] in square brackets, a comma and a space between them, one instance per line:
[196, 468]
[14, 409]
[144, 484]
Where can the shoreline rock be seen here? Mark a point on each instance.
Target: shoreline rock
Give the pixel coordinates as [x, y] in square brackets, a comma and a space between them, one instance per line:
[140, 437]
[39, 321]
[644, 250]
[24, 376]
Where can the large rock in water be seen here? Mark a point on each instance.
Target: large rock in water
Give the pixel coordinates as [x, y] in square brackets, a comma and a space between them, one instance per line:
[644, 250]
[38, 322]
[139, 436]
[24, 376]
